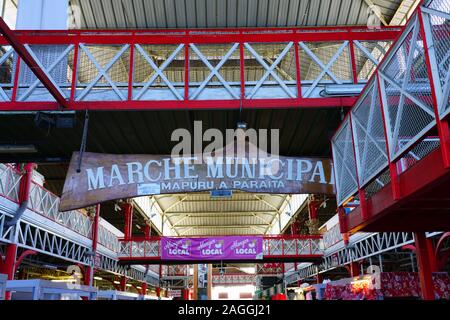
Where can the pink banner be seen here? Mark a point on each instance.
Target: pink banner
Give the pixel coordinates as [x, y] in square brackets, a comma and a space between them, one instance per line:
[212, 248]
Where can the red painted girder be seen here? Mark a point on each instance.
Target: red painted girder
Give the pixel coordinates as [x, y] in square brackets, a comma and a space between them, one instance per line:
[205, 36]
[422, 177]
[332, 102]
[10, 37]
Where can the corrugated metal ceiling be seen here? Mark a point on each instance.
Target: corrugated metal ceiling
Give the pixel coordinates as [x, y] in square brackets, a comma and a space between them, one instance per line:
[199, 214]
[120, 14]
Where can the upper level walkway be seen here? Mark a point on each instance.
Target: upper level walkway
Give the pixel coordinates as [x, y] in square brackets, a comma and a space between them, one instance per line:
[391, 153]
[189, 69]
[65, 235]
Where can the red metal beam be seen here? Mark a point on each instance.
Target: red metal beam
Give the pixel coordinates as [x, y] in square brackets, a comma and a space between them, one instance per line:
[428, 175]
[13, 40]
[205, 36]
[177, 36]
[183, 105]
[425, 269]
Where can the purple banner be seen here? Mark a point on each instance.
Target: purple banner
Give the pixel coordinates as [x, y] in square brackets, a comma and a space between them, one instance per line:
[212, 248]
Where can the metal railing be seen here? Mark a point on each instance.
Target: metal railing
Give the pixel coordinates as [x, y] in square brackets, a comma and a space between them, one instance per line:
[45, 203]
[10, 179]
[193, 65]
[292, 245]
[273, 246]
[393, 124]
[332, 236]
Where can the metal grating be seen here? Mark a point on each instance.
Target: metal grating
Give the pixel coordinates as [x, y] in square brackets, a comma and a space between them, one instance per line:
[367, 56]
[377, 184]
[407, 103]
[418, 152]
[344, 163]
[437, 22]
[368, 132]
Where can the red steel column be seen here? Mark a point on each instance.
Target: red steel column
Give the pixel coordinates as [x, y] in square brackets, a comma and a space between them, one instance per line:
[354, 269]
[144, 288]
[319, 278]
[185, 293]
[89, 273]
[9, 264]
[423, 261]
[123, 283]
[11, 249]
[146, 230]
[128, 212]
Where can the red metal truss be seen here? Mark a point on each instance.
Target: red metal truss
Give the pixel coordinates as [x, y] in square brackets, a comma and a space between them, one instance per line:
[79, 40]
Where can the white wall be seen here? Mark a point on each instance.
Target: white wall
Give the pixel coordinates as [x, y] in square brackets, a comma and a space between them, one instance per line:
[42, 15]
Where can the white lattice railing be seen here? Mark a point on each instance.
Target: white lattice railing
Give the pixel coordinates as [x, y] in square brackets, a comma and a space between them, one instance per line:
[9, 182]
[175, 270]
[108, 239]
[291, 246]
[47, 204]
[140, 249]
[233, 279]
[332, 236]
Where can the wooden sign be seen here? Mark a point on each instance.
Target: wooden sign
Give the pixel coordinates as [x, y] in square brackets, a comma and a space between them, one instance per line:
[109, 176]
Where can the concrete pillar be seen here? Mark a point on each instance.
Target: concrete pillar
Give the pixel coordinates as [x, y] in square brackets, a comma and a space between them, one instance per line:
[42, 15]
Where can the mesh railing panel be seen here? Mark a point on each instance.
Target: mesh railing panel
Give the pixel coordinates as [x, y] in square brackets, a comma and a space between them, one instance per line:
[324, 51]
[113, 61]
[56, 61]
[408, 102]
[418, 152]
[440, 34]
[344, 163]
[7, 70]
[377, 184]
[365, 67]
[9, 182]
[108, 239]
[369, 137]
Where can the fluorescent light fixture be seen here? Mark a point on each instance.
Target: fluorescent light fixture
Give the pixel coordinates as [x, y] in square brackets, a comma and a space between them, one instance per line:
[128, 285]
[116, 282]
[63, 280]
[98, 278]
[18, 148]
[139, 288]
[241, 125]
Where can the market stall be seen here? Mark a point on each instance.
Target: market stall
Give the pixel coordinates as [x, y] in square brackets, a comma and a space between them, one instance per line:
[48, 290]
[117, 295]
[385, 285]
